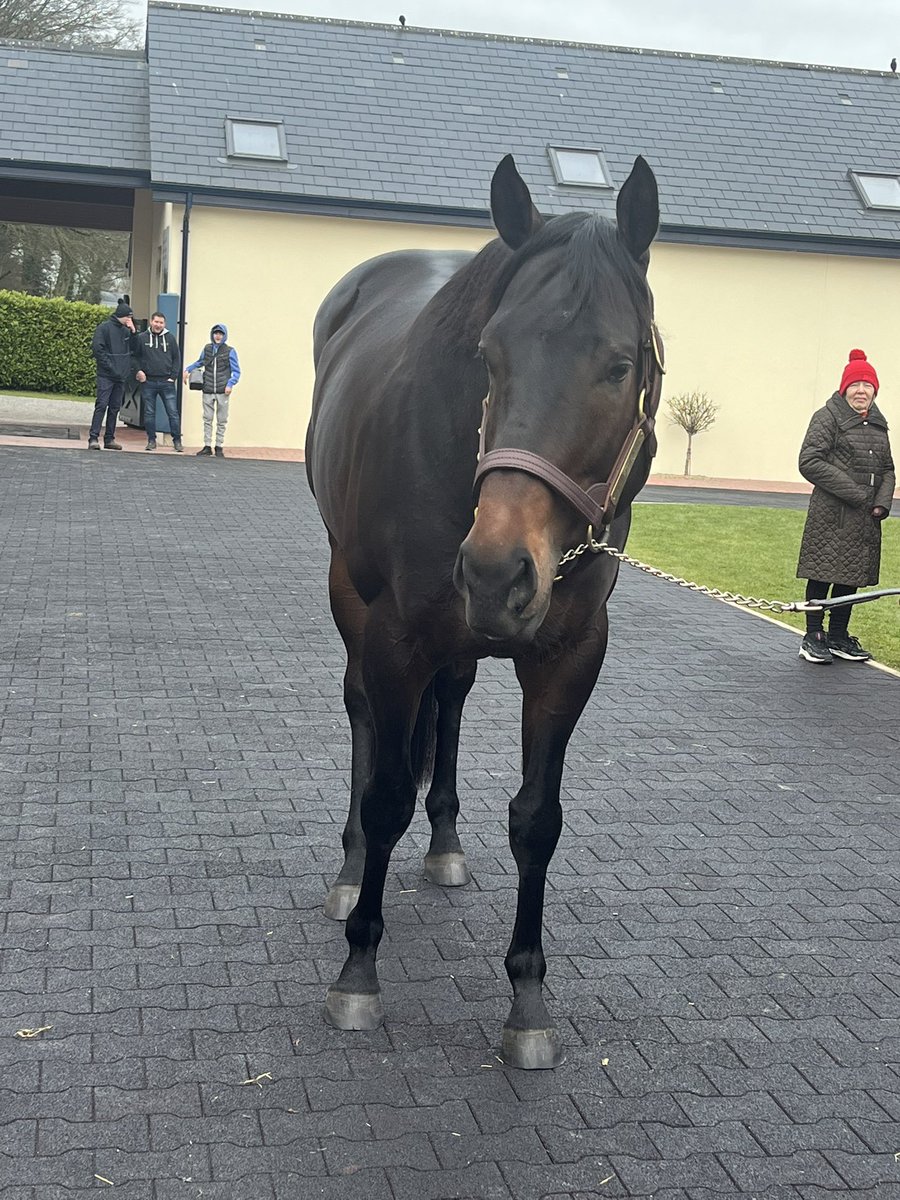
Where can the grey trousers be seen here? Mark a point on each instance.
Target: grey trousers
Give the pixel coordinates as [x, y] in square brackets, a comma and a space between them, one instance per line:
[215, 402]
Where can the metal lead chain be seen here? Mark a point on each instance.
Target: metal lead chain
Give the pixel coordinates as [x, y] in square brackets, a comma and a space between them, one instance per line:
[778, 606]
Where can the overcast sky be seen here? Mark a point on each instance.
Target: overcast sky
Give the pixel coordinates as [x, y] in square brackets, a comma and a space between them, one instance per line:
[834, 32]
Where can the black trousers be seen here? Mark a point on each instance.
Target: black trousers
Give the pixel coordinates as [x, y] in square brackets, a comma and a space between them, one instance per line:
[110, 394]
[839, 618]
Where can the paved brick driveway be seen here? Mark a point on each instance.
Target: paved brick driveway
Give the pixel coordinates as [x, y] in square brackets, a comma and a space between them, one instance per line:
[173, 755]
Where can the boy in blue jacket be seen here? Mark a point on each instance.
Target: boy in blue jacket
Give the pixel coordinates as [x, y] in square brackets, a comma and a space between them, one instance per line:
[221, 372]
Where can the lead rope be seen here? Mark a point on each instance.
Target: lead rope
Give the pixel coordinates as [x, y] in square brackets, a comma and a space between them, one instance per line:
[779, 606]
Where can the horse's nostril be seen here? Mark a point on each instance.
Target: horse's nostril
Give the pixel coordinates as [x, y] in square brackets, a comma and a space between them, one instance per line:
[459, 571]
[523, 587]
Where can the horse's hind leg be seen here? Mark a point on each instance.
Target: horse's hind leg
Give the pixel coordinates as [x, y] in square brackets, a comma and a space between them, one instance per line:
[554, 695]
[350, 614]
[395, 677]
[445, 862]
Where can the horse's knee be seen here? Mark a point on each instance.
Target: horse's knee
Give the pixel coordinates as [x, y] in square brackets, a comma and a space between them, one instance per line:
[355, 700]
[534, 829]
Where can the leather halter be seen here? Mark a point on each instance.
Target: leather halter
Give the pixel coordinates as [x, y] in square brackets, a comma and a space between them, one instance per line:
[598, 502]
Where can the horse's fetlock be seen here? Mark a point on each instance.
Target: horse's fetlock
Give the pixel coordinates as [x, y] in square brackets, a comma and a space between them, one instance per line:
[363, 933]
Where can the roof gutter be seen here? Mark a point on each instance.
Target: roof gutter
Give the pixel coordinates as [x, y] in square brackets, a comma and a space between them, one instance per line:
[419, 214]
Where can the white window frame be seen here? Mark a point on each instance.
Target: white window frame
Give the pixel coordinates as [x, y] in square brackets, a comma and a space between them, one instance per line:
[259, 122]
[859, 179]
[560, 173]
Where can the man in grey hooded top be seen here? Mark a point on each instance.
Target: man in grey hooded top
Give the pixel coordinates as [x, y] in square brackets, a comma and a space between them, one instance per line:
[158, 362]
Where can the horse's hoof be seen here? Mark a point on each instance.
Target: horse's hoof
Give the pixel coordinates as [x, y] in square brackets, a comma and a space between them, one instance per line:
[353, 1010]
[447, 870]
[341, 901]
[532, 1049]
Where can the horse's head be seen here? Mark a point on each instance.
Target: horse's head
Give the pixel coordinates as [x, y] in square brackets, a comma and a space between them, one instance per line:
[565, 351]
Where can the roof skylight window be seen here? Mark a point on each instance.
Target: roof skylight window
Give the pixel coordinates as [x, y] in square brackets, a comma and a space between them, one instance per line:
[247, 138]
[576, 166]
[878, 191]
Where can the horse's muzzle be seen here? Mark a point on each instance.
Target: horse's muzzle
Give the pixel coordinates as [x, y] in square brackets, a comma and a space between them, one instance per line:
[499, 593]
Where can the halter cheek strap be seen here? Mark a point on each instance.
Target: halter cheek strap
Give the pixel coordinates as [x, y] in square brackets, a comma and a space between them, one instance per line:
[598, 502]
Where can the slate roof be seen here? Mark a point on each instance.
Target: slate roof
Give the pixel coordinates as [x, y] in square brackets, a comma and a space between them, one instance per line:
[73, 108]
[741, 148]
[769, 152]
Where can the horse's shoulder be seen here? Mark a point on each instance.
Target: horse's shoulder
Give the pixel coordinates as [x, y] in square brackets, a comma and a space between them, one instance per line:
[388, 290]
[400, 273]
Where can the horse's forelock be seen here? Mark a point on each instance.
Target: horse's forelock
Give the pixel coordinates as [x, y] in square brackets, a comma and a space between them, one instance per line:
[595, 262]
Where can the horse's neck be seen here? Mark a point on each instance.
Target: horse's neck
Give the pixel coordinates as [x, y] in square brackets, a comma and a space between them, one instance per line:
[447, 334]
[463, 306]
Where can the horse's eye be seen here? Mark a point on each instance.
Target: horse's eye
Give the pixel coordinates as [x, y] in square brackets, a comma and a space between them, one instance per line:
[619, 372]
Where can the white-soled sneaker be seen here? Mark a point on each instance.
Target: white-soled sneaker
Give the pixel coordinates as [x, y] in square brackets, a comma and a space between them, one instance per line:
[814, 648]
[842, 645]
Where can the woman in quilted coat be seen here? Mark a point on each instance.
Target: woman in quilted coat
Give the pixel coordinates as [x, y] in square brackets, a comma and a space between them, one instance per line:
[847, 456]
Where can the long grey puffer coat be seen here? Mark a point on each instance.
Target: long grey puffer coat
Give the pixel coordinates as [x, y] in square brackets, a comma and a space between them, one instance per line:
[848, 459]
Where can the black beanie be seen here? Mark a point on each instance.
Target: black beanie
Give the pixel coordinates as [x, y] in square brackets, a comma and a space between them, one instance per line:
[123, 310]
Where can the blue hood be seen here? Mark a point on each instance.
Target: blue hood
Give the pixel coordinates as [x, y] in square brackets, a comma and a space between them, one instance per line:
[224, 329]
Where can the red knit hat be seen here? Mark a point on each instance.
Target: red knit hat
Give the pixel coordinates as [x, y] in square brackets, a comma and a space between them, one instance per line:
[858, 370]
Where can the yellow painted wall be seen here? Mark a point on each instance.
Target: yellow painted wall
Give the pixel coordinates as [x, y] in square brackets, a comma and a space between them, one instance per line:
[766, 334]
[264, 276]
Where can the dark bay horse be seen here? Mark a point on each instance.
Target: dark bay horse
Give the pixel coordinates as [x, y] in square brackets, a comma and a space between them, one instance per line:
[534, 361]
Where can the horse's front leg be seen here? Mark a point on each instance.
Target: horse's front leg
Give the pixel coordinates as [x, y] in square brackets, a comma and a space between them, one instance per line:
[554, 695]
[350, 615]
[394, 677]
[445, 862]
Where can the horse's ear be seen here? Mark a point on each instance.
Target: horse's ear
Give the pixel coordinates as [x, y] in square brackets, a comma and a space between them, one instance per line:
[514, 214]
[637, 210]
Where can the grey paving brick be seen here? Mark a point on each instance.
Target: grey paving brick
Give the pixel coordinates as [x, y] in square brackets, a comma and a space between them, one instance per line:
[722, 942]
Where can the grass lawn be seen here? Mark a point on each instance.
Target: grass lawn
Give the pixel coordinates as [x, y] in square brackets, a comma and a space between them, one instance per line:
[48, 396]
[754, 551]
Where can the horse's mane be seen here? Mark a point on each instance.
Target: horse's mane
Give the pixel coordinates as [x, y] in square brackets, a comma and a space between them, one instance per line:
[596, 259]
[596, 262]
[463, 304]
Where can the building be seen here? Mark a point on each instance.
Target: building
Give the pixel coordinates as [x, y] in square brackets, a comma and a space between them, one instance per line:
[256, 158]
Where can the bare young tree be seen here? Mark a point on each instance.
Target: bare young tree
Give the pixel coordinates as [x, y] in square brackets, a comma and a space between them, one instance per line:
[693, 412]
[100, 23]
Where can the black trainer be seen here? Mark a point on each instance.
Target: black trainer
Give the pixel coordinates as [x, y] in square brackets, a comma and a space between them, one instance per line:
[150, 446]
[842, 645]
[113, 445]
[206, 452]
[93, 444]
[179, 449]
[814, 647]
[220, 453]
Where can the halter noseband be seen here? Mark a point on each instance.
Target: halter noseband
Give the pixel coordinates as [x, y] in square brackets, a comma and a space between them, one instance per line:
[598, 502]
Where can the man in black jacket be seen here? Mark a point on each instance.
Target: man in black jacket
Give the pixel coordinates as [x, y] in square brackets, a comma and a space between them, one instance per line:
[111, 347]
[159, 361]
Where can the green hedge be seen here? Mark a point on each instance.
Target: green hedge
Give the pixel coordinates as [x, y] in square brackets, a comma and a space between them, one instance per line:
[45, 345]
